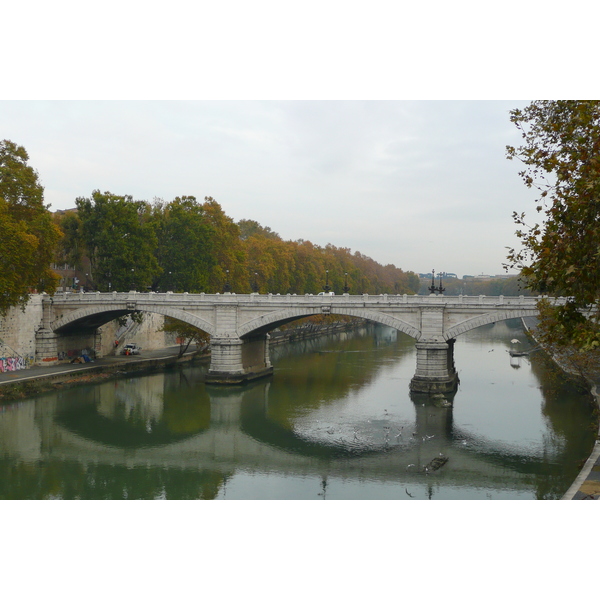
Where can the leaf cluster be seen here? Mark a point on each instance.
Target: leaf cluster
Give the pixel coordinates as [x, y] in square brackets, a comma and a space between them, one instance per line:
[560, 255]
[27, 232]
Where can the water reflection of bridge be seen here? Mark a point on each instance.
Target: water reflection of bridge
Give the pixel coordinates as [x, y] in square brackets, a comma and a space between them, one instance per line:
[234, 433]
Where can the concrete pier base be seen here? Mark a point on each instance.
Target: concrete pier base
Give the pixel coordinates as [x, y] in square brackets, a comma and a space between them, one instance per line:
[46, 348]
[435, 372]
[234, 360]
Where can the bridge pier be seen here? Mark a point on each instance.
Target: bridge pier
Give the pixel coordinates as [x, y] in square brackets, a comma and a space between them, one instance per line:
[235, 360]
[46, 348]
[435, 372]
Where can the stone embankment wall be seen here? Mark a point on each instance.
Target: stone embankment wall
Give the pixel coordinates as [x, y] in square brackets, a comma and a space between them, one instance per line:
[18, 341]
[592, 374]
[17, 335]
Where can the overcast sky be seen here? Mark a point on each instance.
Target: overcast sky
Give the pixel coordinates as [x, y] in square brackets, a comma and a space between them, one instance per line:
[420, 184]
[323, 134]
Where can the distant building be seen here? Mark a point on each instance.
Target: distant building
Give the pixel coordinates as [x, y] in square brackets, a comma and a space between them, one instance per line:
[437, 275]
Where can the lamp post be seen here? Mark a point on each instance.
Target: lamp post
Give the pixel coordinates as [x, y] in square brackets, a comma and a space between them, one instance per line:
[346, 288]
[326, 288]
[255, 284]
[441, 289]
[432, 289]
[227, 287]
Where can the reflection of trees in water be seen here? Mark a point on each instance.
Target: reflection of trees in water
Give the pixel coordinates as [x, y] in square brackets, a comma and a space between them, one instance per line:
[186, 402]
[316, 371]
[139, 411]
[570, 413]
[70, 480]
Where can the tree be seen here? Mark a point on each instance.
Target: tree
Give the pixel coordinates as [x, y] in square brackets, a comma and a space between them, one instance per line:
[186, 334]
[120, 241]
[28, 233]
[184, 253]
[561, 255]
[249, 228]
[227, 250]
[71, 248]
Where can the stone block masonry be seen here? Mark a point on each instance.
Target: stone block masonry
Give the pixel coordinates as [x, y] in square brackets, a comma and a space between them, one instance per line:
[17, 335]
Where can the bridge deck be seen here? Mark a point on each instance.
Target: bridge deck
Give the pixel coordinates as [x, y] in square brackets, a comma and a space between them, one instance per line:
[232, 298]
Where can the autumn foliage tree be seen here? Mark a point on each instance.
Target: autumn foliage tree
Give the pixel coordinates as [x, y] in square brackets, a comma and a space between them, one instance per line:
[186, 334]
[560, 254]
[27, 232]
[188, 246]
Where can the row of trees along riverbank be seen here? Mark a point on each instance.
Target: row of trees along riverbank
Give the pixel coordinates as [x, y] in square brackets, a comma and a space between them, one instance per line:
[191, 246]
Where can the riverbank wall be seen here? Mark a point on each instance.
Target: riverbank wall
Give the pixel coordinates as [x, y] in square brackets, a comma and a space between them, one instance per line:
[19, 386]
[19, 326]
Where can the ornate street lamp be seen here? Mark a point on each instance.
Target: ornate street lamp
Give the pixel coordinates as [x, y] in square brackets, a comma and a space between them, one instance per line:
[441, 289]
[432, 289]
[254, 284]
[346, 288]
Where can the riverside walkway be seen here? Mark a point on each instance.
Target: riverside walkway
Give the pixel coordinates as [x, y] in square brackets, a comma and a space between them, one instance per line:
[108, 363]
[587, 484]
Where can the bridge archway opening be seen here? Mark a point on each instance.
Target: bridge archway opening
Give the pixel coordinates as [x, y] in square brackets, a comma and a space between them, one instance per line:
[90, 322]
[90, 319]
[485, 319]
[267, 323]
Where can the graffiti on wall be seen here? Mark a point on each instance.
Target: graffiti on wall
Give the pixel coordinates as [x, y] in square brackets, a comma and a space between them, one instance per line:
[15, 363]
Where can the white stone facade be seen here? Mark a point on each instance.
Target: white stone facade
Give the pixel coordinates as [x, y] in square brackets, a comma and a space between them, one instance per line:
[17, 332]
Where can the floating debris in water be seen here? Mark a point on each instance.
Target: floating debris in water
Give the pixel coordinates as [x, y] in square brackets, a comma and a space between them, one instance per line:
[437, 463]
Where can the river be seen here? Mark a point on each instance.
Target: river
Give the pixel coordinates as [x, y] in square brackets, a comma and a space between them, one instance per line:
[335, 421]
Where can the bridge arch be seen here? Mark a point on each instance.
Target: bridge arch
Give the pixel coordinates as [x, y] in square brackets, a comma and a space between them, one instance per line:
[272, 320]
[486, 319]
[99, 315]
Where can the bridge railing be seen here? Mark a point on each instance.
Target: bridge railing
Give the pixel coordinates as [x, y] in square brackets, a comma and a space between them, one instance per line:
[231, 298]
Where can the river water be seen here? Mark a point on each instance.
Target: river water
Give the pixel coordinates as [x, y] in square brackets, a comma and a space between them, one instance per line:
[336, 421]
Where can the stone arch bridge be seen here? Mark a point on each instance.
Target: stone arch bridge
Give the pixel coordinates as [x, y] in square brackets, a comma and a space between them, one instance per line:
[239, 324]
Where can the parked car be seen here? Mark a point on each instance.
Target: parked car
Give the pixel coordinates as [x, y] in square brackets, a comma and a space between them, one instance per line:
[130, 349]
[326, 293]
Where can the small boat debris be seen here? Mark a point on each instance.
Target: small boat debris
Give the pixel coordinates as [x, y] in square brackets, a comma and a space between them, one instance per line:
[437, 463]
